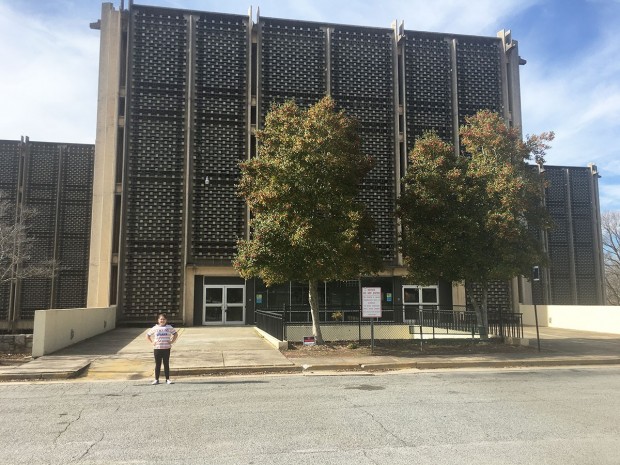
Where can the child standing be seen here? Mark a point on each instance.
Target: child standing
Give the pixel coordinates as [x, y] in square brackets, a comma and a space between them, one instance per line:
[162, 336]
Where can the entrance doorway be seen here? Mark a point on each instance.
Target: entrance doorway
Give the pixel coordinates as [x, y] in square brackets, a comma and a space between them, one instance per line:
[223, 304]
[416, 298]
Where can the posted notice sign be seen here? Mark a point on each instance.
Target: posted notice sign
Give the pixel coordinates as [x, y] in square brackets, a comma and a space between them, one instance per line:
[371, 302]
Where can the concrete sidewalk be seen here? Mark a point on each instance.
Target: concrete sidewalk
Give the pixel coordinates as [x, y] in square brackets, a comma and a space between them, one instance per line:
[124, 354]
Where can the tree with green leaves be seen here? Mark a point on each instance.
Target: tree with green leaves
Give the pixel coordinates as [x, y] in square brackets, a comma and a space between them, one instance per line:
[307, 224]
[469, 217]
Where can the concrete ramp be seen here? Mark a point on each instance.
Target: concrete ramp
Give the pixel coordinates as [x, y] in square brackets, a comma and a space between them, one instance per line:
[124, 353]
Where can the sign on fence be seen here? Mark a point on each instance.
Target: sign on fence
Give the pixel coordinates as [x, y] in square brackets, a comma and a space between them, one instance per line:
[371, 302]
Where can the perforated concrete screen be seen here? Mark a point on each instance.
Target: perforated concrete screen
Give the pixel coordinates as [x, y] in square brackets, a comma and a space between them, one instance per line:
[55, 180]
[198, 84]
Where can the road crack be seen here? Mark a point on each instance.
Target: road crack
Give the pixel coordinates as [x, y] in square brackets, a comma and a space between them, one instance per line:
[69, 423]
[87, 451]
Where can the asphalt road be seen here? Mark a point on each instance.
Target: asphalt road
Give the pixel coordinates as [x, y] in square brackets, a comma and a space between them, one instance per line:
[550, 416]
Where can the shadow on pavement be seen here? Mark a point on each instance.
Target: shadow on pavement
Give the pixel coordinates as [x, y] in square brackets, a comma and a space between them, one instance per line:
[110, 343]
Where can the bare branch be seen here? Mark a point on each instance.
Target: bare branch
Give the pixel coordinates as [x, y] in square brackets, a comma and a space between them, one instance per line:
[17, 245]
[610, 226]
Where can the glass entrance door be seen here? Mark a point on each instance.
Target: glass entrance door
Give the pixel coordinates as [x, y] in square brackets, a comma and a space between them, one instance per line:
[416, 298]
[224, 304]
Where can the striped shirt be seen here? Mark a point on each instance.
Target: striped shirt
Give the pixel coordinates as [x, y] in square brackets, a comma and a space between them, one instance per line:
[161, 336]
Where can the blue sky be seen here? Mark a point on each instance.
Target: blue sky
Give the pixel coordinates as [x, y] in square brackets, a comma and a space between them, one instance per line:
[570, 84]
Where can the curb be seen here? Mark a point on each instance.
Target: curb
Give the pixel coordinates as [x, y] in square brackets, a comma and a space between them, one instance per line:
[301, 369]
[234, 370]
[335, 367]
[44, 375]
[512, 363]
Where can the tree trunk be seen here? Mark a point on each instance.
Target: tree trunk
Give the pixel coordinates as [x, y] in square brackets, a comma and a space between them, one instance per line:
[313, 297]
[482, 320]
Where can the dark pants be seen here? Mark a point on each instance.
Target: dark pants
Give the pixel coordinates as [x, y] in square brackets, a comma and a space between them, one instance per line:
[162, 354]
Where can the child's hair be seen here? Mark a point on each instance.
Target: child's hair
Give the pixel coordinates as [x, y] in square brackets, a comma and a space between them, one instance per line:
[162, 314]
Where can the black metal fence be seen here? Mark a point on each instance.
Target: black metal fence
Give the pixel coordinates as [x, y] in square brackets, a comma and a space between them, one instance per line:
[397, 322]
[270, 322]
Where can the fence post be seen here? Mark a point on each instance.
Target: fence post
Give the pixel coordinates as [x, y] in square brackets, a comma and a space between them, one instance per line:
[359, 325]
[421, 318]
[537, 333]
[284, 327]
[372, 335]
[501, 324]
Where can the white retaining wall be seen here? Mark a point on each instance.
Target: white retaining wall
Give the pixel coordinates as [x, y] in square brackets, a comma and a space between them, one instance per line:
[335, 332]
[59, 328]
[596, 318]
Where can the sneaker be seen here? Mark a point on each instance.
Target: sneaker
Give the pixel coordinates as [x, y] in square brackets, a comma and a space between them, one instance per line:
[169, 382]
[155, 381]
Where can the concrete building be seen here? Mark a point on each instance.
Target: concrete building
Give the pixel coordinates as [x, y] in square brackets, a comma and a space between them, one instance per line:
[575, 275]
[180, 93]
[55, 180]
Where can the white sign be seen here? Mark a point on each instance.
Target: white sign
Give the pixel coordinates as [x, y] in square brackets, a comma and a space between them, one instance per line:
[371, 302]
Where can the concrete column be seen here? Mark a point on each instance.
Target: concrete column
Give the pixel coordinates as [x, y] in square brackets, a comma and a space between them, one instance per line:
[455, 98]
[105, 158]
[511, 61]
[328, 60]
[188, 313]
[571, 239]
[187, 283]
[599, 260]
[399, 99]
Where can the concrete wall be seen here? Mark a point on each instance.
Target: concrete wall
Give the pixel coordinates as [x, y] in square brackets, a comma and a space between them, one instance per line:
[597, 318]
[57, 329]
[352, 332]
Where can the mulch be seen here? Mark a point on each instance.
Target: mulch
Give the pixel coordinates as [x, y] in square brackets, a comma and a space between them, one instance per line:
[403, 348]
[14, 358]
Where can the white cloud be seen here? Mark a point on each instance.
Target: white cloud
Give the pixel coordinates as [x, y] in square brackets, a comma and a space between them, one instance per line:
[609, 195]
[478, 17]
[49, 81]
[579, 100]
[612, 168]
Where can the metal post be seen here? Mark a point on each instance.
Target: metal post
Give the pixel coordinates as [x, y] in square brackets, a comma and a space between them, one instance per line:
[420, 318]
[359, 325]
[537, 334]
[372, 335]
[501, 324]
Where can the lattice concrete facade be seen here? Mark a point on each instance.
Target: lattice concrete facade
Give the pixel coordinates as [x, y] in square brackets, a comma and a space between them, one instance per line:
[180, 95]
[54, 180]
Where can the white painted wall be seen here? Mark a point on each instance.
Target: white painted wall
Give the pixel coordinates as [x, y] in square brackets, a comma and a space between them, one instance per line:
[59, 328]
[336, 332]
[596, 318]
